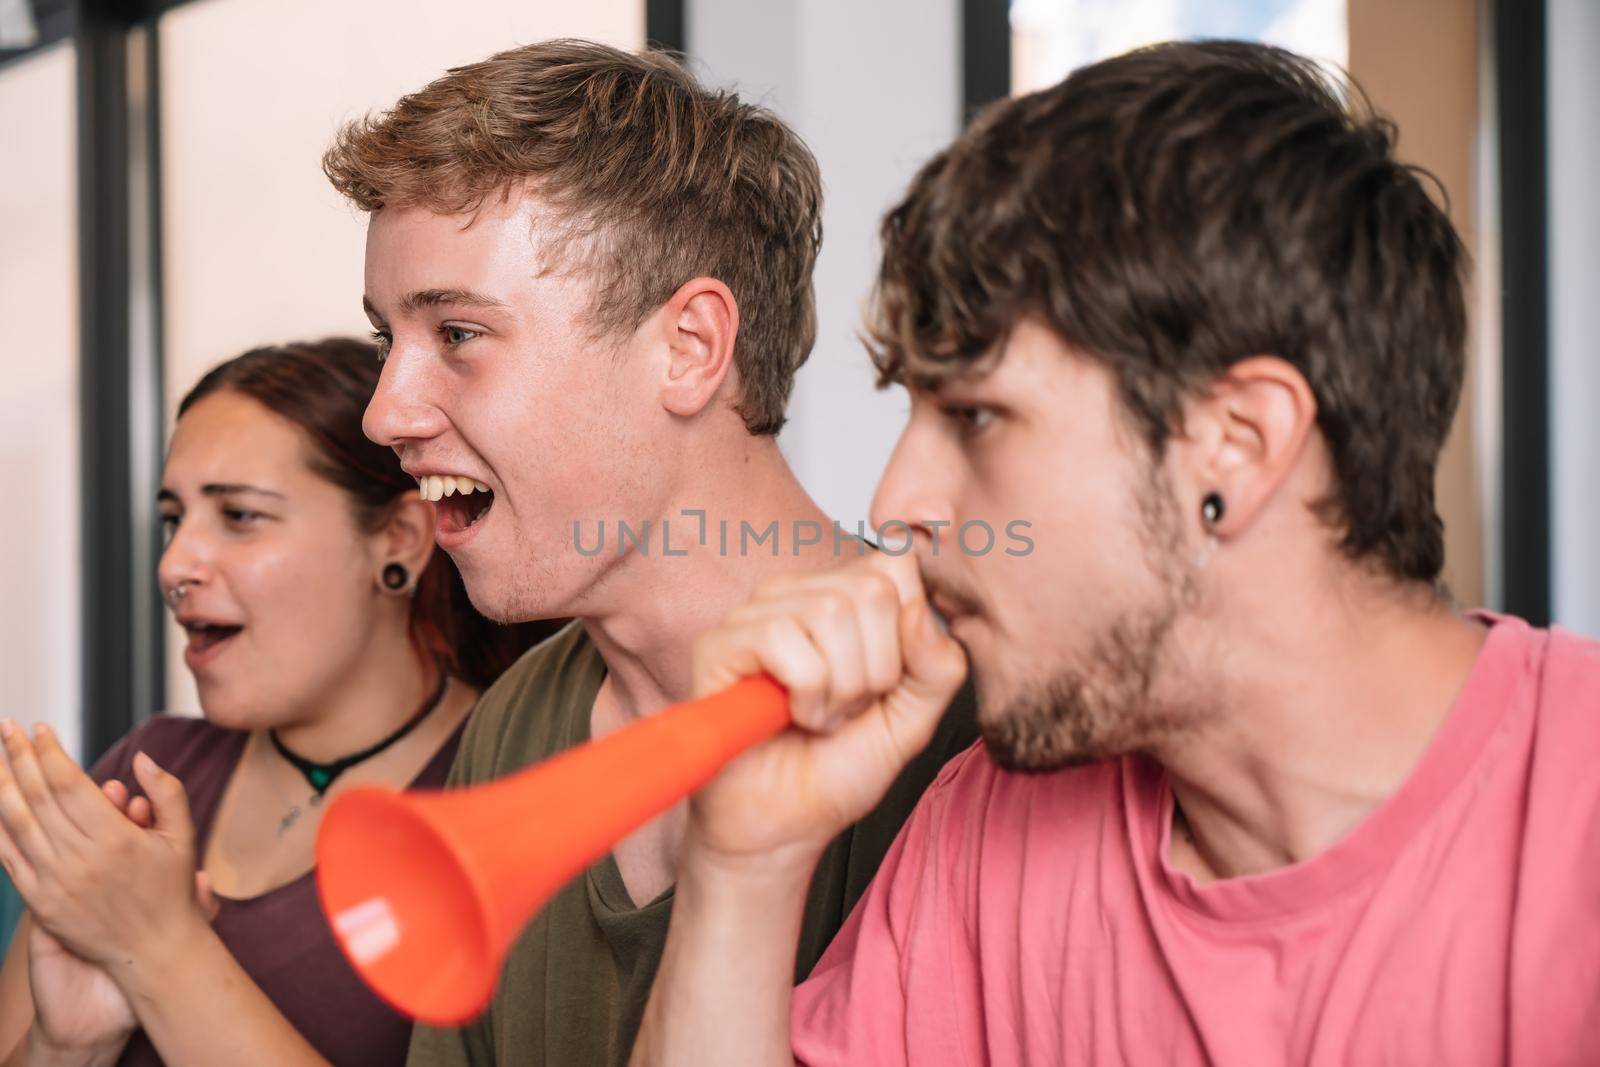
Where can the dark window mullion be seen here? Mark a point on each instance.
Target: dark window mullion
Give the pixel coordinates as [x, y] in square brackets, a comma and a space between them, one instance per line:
[985, 54]
[666, 25]
[122, 655]
[1525, 442]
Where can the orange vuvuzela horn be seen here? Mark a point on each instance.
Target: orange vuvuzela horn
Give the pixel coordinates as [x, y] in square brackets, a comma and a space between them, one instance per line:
[427, 890]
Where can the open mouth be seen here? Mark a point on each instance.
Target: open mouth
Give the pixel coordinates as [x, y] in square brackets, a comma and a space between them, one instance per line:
[461, 502]
[205, 636]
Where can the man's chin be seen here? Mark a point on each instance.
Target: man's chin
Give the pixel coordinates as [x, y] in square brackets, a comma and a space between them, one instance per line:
[1033, 755]
[1036, 731]
[491, 600]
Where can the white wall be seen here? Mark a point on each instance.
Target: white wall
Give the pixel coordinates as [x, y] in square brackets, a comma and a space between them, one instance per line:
[874, 90]
[39, 540]
[1573, 85]
[259, 247]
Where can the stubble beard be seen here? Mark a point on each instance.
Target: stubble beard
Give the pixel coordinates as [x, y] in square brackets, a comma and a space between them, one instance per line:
[1109, 702]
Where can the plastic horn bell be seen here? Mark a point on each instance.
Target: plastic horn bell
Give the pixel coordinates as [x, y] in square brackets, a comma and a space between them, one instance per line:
[427, 890]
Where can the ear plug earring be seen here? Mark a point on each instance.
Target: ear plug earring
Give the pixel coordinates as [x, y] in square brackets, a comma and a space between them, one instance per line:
[395, 577]
[1211, 514]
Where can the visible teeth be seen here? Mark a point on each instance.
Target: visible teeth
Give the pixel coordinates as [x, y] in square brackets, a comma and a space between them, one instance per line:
[436, 487]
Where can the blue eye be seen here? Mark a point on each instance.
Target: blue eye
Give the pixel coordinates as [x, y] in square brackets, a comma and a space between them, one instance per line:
[456, 335]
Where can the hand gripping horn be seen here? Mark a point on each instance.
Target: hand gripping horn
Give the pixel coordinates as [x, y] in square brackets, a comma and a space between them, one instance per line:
[426, 890]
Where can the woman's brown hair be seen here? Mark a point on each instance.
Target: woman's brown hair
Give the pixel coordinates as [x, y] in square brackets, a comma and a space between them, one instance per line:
[323, 388]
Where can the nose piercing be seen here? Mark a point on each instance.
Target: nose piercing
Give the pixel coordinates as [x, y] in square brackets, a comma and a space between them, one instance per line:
[178, 592]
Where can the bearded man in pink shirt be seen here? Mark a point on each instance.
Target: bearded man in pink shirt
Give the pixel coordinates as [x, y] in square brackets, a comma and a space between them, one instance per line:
[1251, 790]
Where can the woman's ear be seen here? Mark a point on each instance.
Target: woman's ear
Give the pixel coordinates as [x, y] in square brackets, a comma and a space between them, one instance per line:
[406, 535]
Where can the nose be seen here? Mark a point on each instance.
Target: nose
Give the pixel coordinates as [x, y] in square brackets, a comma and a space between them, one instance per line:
[187, 560]
[401, 409]
[911, 490]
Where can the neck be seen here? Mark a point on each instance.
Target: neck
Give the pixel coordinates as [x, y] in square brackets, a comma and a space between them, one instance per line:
[381, 690]
[653, 607]
[1338, 702]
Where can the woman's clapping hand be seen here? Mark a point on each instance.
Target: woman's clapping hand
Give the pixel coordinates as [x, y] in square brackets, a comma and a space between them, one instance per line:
[86, 858]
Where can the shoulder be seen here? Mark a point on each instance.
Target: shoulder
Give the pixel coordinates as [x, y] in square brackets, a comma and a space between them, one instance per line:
[1555, 670]
[1540, 776]
[976, 815]
[178, 743]
[1572, 670]
[1000, 831]
[983, 841]
[1565, 668]
[973, 787]
[520, 718]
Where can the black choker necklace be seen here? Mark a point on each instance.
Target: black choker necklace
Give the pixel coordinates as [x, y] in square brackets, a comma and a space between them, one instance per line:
[322, 775]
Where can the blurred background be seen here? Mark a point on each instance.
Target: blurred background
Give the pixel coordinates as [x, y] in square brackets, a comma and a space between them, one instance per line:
[162, 209]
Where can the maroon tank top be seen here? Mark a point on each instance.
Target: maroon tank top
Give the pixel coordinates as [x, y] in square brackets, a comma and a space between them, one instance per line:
[281, 937]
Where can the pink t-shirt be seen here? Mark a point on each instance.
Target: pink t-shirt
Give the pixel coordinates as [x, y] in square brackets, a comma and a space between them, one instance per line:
[1034, 919]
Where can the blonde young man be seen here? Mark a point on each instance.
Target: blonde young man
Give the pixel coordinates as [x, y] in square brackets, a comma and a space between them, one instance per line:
[591, 277]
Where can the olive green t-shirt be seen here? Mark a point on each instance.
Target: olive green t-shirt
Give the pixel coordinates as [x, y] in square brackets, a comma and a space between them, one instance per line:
[576, 981]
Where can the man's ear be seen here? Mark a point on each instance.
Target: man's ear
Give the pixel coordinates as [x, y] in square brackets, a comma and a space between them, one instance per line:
[406, 536]
[1245, 436]
[699, 324]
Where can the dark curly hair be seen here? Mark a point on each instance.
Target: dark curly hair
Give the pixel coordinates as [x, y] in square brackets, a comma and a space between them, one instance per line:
[1182, 207]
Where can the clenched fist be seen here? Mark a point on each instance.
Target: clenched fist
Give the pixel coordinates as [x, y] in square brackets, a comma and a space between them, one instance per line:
[869, 673]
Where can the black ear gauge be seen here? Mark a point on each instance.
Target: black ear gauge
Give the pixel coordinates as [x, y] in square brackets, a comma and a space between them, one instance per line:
[1211, 508]
[396, 577]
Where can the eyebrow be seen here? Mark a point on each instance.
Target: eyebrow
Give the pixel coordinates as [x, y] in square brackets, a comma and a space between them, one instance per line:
[429, 298]
[219, 489]
[936, 387]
